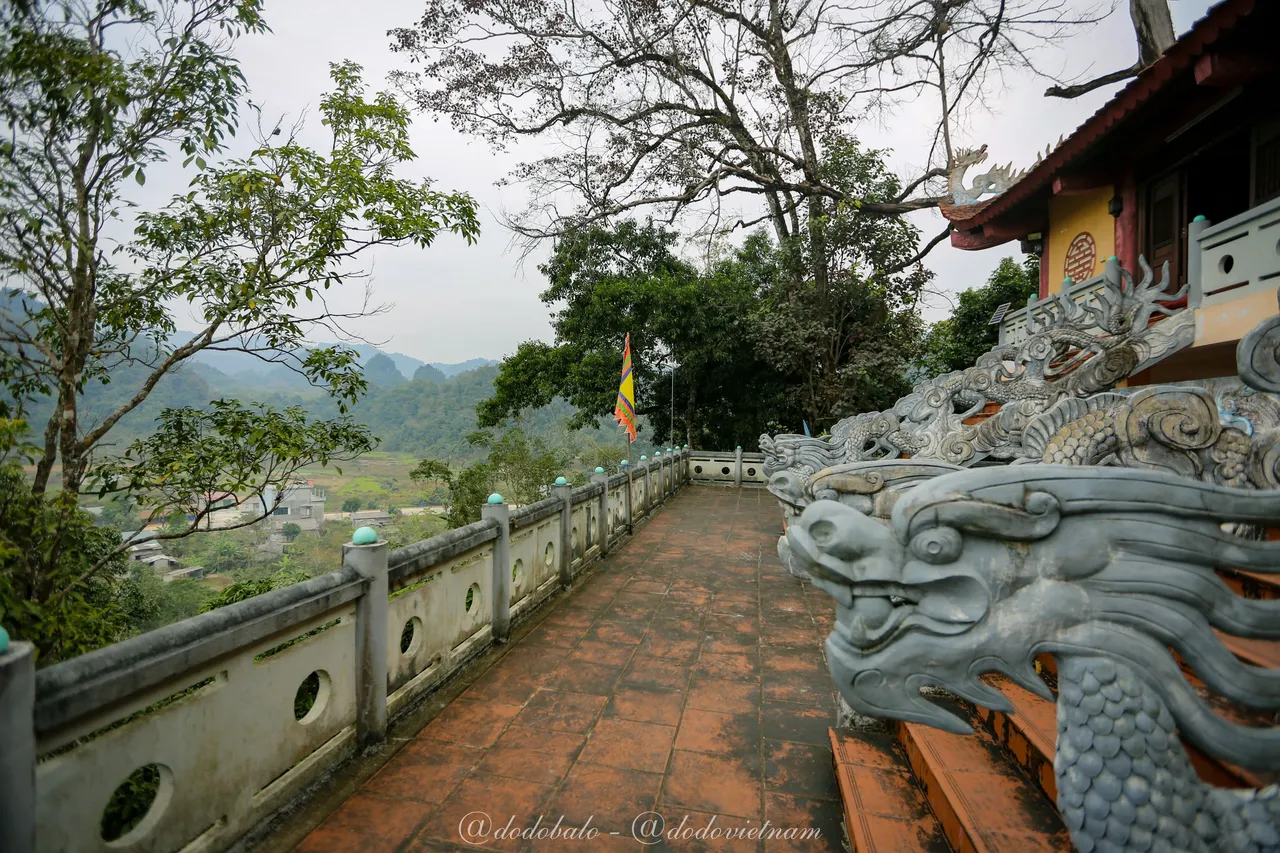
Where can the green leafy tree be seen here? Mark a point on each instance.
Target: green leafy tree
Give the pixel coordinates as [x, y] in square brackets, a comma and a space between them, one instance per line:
[291, 531]
[244, 590]
[119, 512]
[468, 487]
[221, 553]
[843, 345]
[956, 342]
[610, 281]
[92, 94]
[61, 593]
[523, 466]
[351, 505]
[149, 602]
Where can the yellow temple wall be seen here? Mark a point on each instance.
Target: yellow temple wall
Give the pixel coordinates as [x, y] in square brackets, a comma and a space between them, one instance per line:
[1069, 217]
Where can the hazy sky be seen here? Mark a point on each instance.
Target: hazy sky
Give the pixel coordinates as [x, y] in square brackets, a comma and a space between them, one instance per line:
[454, 301]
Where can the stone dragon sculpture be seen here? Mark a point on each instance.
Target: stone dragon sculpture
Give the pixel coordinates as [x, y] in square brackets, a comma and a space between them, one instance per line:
[994, 181]
[1077, 351]
[1106, 566]
[1106, 569]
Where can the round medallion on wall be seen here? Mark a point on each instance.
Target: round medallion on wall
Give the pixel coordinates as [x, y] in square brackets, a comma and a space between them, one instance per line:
[1082, 257]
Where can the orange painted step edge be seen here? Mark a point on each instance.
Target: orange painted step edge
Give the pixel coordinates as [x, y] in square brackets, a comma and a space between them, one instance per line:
[859, 832]
[1032, 746]
[942, 795]
[860, 836]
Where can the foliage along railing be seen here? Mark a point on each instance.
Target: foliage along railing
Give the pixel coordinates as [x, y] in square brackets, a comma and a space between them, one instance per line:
[191, 736]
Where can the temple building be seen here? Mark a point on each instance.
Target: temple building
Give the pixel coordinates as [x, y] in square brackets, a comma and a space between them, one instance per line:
[1181, 167]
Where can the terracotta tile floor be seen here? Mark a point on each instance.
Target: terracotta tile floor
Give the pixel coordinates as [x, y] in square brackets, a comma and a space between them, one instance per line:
[685, 678]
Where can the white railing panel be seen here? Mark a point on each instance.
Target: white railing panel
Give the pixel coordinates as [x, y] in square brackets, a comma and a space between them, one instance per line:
[212, 788]
[1240, 256]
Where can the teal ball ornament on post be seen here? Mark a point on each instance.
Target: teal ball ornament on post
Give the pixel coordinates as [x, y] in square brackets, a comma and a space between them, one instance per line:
[364, 536]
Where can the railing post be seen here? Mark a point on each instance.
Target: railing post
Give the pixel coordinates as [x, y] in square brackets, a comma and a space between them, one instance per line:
[662, 490]
[626, 501]
[367, 555]
[1195, 270]
[564, 491]
[498, 510]
[17, 746]
[737, 473]
[602, 522]
[684, 466]
[648, 504]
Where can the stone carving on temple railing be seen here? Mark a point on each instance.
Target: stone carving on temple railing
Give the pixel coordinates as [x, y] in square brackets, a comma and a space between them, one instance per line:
[1105, 568]
[871, 488]
[1081, 349]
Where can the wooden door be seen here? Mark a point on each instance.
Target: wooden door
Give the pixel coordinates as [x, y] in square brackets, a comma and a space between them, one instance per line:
[1163, 227]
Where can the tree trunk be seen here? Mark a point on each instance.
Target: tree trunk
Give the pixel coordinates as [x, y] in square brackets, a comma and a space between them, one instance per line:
[1153, 26]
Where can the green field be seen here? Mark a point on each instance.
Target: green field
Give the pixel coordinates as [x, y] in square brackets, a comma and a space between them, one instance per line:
[379, 479]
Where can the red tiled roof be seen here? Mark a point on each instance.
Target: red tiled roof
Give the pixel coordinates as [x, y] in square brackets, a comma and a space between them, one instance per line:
[1181, 54]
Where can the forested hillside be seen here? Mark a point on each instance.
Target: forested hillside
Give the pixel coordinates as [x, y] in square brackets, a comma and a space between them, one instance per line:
[419, 416]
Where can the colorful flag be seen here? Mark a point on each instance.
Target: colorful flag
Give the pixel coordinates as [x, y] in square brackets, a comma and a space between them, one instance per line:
[625, 411]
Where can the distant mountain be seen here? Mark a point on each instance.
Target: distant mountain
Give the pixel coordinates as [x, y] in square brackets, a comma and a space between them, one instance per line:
[451, 370]
[252, 369]
[427, 373]
[381, 370]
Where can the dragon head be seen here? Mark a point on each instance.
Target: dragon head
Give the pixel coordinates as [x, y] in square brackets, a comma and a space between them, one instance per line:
[981, 570]
[967, 157]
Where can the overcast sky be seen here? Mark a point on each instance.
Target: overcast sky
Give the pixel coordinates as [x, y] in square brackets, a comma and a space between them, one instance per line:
[454, 301]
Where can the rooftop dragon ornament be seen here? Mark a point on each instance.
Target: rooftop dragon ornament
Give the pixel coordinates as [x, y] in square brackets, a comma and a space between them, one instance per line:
[996, 180]
[1104, 568]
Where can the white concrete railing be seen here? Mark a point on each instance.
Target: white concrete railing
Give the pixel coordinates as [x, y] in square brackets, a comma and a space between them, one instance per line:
[726, 469]
[207, 705]
[1235, 258]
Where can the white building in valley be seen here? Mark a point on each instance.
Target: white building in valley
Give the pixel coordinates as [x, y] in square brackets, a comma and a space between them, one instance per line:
[301, 503]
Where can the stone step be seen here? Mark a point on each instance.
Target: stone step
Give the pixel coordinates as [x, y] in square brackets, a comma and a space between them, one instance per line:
[1029, 733]
[884, 808]
[984, 803]
[1253, 585]
[1263, 653]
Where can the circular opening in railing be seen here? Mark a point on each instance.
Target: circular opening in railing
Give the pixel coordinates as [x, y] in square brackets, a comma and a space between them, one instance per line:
[697, 469]
[1226, 264]
[136, 805]
[312, 696]
[751, 472]
[549, 553]
[515, 571]
[724, 470]
[411, 636]
[473, 596]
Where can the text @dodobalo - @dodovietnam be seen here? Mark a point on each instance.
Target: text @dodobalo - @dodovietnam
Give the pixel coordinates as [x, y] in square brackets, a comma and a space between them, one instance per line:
[648, 827]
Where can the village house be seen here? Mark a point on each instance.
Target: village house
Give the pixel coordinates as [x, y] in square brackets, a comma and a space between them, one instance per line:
[301, 503]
